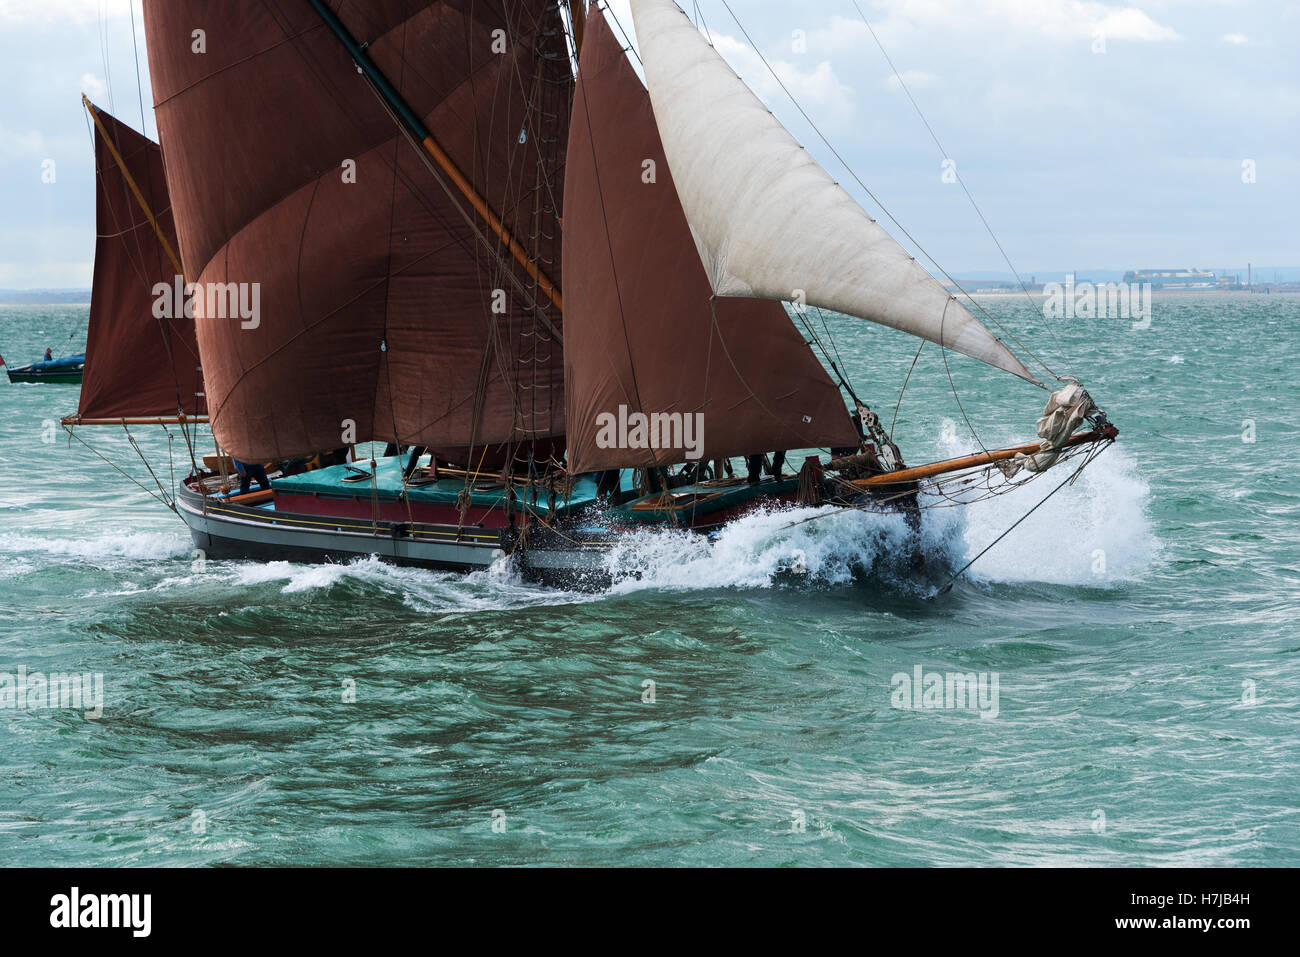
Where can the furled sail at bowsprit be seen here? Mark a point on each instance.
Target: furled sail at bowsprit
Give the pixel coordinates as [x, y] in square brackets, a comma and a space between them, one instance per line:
[380, 307]
[640, 330]
[767, 220]
[139, 364]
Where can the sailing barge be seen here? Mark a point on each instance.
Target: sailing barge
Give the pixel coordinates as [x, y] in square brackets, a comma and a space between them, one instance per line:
[477, 236]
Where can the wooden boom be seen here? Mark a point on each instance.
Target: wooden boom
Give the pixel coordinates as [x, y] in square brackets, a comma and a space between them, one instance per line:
[137, 420]
[903, 476]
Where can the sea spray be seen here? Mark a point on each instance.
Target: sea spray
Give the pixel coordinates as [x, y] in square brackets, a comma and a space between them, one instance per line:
[1094, 533]
[811, 546]
[105, 546]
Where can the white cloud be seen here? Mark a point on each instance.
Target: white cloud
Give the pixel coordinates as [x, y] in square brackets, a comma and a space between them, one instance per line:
[49, 11]
[93, 87]
[1128, 23]
[1053, 19]
[46, 275]
[912, 79]
[22, 146]
[818, 91]
[1236, 39]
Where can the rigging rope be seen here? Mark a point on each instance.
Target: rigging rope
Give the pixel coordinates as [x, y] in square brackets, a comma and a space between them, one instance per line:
[948, 587]
[816, 129]
[135, 48]
[117, 468]
[957, 174]
[906, 379]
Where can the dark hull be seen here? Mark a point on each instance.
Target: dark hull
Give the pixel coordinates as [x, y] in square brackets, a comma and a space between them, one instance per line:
[65, 369]
[69, 378]
[568, 555]
[223, 530]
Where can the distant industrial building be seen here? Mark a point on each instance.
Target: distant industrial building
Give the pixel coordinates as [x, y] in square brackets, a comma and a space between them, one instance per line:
[1174, 278]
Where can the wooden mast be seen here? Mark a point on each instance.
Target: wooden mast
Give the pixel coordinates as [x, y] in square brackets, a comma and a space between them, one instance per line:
[416, 126]
[578, 17]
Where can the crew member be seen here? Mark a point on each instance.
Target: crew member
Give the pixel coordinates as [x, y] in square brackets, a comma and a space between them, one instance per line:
[755, 463]
[249, 471]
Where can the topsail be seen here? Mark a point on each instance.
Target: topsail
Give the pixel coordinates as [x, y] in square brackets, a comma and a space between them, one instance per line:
[767, 220]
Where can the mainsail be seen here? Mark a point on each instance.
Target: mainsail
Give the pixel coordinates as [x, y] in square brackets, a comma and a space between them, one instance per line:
[767, 220]
[383, 312]
[139, 364]
[642, 331]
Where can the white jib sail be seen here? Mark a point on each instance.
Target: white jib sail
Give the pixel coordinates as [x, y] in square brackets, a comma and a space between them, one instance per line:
[767, 220]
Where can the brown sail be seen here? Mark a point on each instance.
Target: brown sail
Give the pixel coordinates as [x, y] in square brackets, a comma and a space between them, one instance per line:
[641, 331]
[138, 364]
[381, 311]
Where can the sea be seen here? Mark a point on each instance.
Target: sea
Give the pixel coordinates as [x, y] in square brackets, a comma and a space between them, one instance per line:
[1115, 683]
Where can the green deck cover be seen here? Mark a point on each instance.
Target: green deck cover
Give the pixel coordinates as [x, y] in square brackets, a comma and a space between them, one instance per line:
[388, 486]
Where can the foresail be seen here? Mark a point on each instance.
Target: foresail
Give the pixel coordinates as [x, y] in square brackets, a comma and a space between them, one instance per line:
[767, 220]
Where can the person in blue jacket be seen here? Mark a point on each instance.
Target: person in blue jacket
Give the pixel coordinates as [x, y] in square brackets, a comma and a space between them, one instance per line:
[249, 471]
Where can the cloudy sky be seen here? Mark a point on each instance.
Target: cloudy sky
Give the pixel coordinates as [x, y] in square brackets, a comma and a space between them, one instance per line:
[1094, 135]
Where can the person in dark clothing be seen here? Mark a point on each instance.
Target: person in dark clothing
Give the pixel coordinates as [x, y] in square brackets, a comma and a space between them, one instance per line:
[754, 465]
[249, 471]
[778, 460]
[608, 485]
[49, 356]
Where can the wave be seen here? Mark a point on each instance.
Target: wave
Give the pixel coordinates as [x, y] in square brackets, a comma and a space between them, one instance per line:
[115, 545]
[818, 546]
[1094, 533]
[498, 587]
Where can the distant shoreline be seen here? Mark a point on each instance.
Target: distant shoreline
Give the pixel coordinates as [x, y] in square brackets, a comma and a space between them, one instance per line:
[1018, 293]
[78, 297]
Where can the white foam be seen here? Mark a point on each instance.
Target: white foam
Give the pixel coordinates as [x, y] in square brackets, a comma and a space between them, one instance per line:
[297, 577]
[15, 568]
[115, 545]
[498, 587]
[1093, 533]
[823, 546]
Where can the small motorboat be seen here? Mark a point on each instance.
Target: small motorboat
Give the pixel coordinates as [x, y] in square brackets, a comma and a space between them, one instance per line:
[62, 369]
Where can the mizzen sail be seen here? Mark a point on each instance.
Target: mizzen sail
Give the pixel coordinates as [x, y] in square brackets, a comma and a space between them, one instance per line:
[641, 331]
[766, 219]
[138, 364]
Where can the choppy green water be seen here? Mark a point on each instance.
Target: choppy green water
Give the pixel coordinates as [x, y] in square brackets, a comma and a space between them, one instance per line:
[1126, 622]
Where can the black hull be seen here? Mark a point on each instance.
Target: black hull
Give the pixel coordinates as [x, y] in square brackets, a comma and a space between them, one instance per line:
[574, 560]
